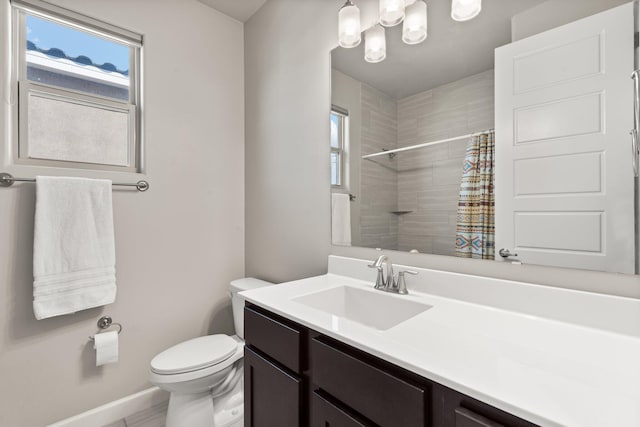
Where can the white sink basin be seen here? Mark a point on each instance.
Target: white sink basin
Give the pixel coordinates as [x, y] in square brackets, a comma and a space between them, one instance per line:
[373, 308]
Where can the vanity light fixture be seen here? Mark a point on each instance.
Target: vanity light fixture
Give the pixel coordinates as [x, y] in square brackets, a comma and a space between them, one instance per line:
[414, 28]
[464, 10]
[349, 25]
[391, 12]
[375, 44]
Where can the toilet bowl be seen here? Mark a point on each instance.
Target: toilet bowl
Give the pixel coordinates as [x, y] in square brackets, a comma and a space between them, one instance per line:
[205, 375]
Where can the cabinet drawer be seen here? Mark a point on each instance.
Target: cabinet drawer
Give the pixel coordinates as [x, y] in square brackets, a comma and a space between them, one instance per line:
[272, 396]
[328, 414]
[273, 337]
[385, 399]
[467, 418]
[458, 410]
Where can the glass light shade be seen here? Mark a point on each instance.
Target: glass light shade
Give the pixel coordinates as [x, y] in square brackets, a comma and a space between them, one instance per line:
[375, 44]
[391, 12]
[349, 26]
[464, 10]
[408, 3]
[414, 28]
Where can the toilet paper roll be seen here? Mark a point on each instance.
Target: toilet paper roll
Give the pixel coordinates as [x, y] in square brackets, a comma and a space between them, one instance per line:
[106, 347]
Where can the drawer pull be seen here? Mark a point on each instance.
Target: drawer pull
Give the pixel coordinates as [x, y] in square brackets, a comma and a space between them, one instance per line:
[467, 418]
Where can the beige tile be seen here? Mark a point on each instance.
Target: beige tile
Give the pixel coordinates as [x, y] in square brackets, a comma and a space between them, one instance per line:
[447, 172]
[152, 417]
[458, 149]
[444, 245]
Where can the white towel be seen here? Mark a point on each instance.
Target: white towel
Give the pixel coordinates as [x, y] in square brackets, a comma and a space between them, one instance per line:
[340, 219]
[74, 248]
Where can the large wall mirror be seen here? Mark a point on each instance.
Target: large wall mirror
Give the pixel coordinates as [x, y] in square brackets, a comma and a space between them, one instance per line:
[498, 138]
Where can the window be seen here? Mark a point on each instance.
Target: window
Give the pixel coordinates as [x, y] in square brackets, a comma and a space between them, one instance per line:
[339, 132]
[78, 83]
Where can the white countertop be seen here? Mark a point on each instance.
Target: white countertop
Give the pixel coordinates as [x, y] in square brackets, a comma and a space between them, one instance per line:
[582, 370]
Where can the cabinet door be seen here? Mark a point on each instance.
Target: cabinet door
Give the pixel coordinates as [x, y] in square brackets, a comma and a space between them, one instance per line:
[328, 414]
[272, 395]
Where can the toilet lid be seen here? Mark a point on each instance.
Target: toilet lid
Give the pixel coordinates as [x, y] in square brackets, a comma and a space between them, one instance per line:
[197, 353]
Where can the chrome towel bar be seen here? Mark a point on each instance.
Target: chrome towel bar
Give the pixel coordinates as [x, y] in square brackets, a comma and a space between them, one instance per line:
[7, 180]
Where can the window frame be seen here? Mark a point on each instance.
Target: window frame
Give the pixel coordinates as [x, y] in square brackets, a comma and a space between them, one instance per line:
[26, 88]
[341, 150]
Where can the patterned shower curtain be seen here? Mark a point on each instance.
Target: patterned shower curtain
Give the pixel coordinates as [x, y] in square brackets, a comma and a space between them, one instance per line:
[475, 229]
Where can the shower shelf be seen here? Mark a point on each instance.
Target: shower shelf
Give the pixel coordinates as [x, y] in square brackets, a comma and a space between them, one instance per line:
[400, 212]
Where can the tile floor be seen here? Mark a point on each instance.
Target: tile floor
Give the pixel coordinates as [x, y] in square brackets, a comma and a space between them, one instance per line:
[152, 417]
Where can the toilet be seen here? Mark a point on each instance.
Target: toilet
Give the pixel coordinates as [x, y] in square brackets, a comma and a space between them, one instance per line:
[205, 375]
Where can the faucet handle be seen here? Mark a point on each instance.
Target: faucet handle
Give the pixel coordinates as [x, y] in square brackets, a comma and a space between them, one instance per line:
[402, 284]
[378, 262]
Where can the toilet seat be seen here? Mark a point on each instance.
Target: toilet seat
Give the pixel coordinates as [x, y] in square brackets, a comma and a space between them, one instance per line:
[194, 355]
[199, 379]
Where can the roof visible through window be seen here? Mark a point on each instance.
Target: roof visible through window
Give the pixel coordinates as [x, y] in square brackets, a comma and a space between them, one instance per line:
[82, 47]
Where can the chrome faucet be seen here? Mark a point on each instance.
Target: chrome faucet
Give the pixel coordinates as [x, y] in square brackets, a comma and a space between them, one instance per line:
[381, 282]
[389, 283]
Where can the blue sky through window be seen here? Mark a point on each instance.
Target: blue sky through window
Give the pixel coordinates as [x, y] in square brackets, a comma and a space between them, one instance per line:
[46, 34]
[334, 130]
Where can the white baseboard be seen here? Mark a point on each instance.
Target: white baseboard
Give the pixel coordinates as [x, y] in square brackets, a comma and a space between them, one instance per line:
[116, 410]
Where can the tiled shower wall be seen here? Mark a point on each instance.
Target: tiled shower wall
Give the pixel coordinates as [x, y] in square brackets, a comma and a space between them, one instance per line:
[379, 179]
[410, 201]
[429, 178]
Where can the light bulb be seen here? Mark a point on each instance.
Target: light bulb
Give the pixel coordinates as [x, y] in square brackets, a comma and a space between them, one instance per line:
[375, 44]
[464, 10]
[391, 12]
[349, 25]
[414, 28]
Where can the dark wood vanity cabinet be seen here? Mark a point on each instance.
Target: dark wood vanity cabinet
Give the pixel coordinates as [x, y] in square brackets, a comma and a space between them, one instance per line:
[272, 394]
[295, 376]
[328, 412]
[273, 381]
[459, 410]
[367, 387]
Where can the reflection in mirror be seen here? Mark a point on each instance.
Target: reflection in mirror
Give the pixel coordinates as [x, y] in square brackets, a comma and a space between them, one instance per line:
[419, 150]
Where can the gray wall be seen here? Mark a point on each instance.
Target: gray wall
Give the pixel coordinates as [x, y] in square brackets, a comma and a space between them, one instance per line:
[177, 246]
[288, 98]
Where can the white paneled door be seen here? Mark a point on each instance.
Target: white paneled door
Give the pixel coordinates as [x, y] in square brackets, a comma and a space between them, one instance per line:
[564, 178]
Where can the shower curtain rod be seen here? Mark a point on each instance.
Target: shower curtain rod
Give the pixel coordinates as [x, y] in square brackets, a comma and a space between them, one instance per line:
[426, 144]
[7, 180]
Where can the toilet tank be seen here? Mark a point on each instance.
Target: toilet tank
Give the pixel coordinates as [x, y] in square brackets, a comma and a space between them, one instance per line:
[237, 301]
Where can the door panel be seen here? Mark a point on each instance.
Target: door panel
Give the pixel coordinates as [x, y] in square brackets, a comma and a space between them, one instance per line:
[564, 179]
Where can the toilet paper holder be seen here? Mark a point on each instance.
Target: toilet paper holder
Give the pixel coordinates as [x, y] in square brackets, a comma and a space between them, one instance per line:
[105, 322]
